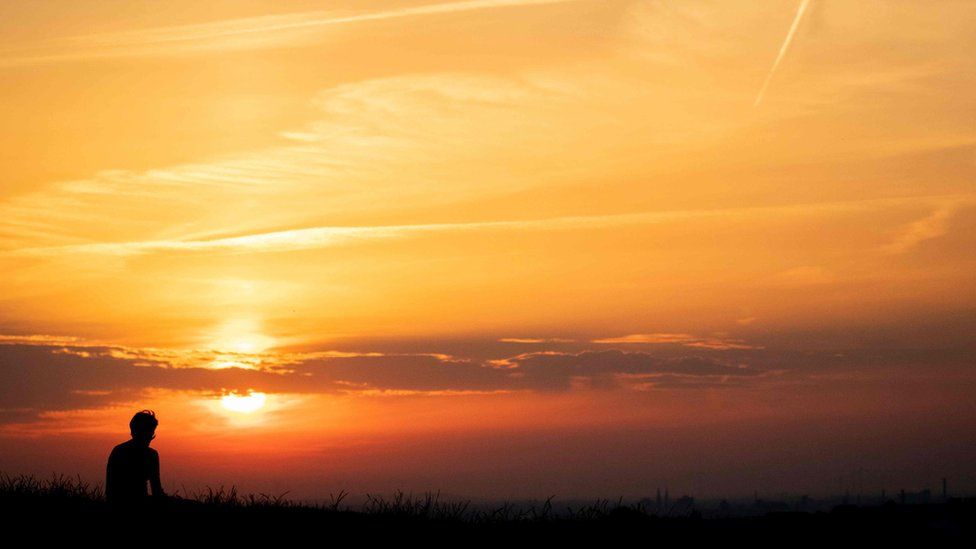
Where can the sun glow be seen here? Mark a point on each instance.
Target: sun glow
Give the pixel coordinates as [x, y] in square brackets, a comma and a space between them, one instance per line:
[244, 404]
[240, 336]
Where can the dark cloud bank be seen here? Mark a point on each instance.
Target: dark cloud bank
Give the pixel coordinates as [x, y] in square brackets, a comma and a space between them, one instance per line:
[37, 378]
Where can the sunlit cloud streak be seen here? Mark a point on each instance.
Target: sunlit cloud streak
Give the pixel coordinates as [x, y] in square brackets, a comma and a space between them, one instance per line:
[236, 34]
[782, 50]
[534, 340]
[686, 340]
[274, 361]
[329, 237]
[40, 339]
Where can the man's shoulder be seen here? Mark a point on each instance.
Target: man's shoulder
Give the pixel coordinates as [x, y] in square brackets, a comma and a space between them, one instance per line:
[121, 447]
[131, 447]
[117, 452]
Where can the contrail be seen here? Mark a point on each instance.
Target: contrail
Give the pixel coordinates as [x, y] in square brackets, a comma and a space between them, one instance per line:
[782, 50]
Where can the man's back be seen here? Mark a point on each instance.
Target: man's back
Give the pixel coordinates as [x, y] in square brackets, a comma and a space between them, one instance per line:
[130, 466]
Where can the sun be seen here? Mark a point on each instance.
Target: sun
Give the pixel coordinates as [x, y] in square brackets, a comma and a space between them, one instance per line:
[244, 404]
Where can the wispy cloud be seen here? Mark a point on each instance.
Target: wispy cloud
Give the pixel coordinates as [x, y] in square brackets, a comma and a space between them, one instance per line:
[328, 237]
[389, 137]
[535, 340]
[39, 339]
[380, 145]
[648, 338]
[208, 358]
[235, 34]
[916, 232]
[686, 340]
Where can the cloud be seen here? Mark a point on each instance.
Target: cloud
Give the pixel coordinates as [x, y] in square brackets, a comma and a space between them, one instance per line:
[534, 340]
[39, 339]
[687, 340]
[377, 147]
[553, 371]
[679, 381]
[374, 145]
[37, 378]
[931, 226]
[648, 338]
[236, 34]
[206, 358]
[334, 236]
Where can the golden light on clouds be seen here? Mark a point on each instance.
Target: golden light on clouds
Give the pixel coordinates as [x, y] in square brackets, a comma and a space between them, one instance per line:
[240, 336]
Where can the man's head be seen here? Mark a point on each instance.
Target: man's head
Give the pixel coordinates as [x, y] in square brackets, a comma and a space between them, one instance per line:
[143, 426]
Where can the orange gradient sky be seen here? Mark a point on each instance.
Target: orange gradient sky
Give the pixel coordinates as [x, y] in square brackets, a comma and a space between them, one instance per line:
[497, 247]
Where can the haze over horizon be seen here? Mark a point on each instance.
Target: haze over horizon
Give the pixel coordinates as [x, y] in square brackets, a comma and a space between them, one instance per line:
[501, 248]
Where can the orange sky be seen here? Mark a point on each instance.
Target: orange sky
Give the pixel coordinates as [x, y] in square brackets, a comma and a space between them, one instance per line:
[472, 238]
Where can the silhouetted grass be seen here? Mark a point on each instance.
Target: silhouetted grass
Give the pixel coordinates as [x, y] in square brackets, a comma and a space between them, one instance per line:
[29, 504]
[57, 488]
[401, 505]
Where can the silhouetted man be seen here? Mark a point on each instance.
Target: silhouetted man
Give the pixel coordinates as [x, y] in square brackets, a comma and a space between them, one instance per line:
[133, 464]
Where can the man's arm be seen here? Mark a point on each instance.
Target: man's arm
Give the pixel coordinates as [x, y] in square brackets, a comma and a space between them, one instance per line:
[157, 487]
[109, 477]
